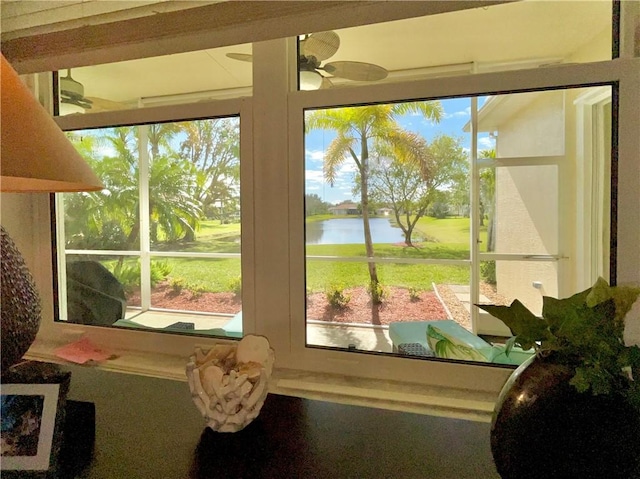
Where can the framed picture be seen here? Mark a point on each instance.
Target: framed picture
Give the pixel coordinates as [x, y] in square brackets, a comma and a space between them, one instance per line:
[32, 413]
[28, 423]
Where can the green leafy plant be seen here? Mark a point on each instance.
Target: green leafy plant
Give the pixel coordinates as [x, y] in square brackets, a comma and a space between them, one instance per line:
[197, 290]
[177, 285]
[488, 271]
[585, 330]
[235, 286]
[377, 292]
[414, 294]
[336, 297]
[159, 271]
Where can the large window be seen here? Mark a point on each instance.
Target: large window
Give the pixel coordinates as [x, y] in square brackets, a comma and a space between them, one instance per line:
[416, 211]
[159, 246]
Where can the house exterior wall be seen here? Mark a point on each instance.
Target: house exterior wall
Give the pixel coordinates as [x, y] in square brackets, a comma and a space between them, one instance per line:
[527, 199]
[530, 217]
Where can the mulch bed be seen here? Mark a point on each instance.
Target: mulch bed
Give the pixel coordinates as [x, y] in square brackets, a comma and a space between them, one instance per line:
[398, 306]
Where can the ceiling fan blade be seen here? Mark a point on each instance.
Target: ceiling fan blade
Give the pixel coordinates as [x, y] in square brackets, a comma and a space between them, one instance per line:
[357, 71]
[243, 57]
[326, 83]
[102, 104]
[320, 45]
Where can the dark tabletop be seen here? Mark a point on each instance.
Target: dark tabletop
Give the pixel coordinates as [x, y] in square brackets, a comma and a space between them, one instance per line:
[150, 428]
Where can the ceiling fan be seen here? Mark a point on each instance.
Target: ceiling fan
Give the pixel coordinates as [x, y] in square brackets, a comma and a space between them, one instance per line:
[72, 95]
[314, 49]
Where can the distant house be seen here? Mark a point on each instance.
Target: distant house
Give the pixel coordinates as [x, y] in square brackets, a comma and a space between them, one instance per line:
[344, 209]
[384, 211]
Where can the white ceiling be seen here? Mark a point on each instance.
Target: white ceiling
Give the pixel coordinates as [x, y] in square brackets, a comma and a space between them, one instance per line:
[530, 30]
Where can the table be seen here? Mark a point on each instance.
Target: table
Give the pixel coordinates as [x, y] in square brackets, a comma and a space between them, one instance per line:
[149, 428]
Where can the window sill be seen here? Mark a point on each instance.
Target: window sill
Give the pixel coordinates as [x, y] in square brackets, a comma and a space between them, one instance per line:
[393, 395]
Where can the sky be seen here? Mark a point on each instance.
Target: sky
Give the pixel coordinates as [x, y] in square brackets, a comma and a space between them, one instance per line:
[457, 112]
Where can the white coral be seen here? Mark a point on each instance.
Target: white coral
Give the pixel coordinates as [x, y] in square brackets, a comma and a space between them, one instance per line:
[229, 383]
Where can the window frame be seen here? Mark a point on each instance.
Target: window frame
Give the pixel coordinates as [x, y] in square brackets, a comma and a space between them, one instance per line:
[144, 253]
[619, 72]
[150, 341]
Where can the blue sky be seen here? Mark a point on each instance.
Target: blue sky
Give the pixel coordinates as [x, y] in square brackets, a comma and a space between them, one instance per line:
[457, 112]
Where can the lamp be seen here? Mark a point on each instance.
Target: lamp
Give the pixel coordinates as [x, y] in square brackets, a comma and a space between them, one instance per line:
[35, 156]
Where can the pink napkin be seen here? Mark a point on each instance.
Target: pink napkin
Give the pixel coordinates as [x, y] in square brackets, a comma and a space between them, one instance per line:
[82, 351]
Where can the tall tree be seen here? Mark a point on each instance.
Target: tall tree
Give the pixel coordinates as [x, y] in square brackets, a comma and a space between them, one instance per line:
[111, 218]
[365, 130]
[313, 205]
[213, 147]
[410, 188]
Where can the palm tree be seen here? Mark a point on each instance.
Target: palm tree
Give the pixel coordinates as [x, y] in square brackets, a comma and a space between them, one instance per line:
[366, 131]
[111, 218]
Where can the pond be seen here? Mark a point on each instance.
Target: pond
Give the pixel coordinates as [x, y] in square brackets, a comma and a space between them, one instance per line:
[351, 230]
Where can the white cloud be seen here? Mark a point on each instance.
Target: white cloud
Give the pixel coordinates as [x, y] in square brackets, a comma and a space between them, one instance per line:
[486, 143]
[313, 177]
[314, 155]
[466, 113]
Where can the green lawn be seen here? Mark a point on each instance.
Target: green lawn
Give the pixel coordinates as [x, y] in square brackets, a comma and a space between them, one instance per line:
[449, 240]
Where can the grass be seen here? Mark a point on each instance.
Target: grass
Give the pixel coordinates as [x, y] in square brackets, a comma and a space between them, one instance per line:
[450, 241]
[212, 275]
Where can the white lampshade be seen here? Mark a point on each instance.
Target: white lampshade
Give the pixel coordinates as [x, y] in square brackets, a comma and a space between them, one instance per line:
[36, 156]
[310, 80]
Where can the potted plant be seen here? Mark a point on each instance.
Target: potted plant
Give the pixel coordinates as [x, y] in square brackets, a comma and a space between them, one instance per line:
[573, 409]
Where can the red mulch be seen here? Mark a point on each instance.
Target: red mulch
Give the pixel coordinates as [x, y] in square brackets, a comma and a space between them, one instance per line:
[397, 307]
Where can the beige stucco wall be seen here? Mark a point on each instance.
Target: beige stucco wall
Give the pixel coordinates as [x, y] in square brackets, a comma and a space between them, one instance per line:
[527, 199]
[535, 206]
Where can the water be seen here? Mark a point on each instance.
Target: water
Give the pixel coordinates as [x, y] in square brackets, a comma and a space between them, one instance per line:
[351, 230]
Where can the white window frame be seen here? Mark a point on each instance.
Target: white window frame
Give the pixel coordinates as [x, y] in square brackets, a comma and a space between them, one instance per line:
[624, 72]
[591, 164]
[148, 341]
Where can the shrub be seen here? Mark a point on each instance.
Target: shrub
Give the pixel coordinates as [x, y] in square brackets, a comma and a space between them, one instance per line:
[128, 276]
[377, 292]
[414, 294]
[488, 271]
[177, 285]
[336, 297]
[235, 286]
[159, 271]
[197, 290]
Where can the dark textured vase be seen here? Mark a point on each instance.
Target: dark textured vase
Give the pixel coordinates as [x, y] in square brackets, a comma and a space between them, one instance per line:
[20, 306]
[543, 427]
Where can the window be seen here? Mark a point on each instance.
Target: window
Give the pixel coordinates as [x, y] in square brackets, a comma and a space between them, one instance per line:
[274, 253]
[164, 233]
[399, 235]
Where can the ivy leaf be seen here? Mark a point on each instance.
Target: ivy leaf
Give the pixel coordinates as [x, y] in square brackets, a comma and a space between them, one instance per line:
[555, 311]
[624, 297]
[599, 292]
[592, 378]
[509, 344]
[524, 325]
[633, 394]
